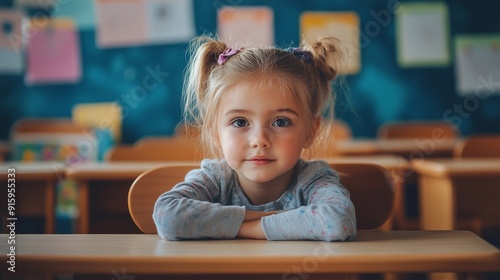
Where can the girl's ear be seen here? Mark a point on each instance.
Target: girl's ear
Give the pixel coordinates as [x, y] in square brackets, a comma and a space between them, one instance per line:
[311, 135]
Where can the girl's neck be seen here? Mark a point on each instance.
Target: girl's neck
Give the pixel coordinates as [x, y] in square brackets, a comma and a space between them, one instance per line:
[262, 193]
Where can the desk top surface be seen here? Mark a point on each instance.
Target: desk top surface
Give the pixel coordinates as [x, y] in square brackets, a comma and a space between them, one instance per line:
[33, 170]
[417, 147]
[372, 251]
[390, 162]
[116, 170]
[458, 167]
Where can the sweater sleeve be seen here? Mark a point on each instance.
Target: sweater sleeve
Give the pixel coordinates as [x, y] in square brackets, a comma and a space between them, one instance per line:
[192, 209]
[327, 214]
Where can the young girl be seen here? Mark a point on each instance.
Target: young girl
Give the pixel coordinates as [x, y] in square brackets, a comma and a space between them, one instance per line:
[258, 109]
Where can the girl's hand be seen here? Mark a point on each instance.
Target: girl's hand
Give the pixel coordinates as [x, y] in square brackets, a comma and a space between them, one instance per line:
[251, 229]
[256, 215]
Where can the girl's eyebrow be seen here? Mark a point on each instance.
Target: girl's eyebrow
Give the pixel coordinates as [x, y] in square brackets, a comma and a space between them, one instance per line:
[287, 110]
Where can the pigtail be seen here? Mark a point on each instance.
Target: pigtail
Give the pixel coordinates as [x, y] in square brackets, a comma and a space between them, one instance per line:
[326, 62]
[204, 52]
[327, 56]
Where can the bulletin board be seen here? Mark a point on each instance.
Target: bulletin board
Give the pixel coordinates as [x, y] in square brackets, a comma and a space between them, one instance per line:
[380, 91]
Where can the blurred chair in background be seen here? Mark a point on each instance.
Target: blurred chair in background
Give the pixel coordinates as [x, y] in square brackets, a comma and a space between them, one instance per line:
[371, 192]
[481, 146]
[158, 149]
[417, 130]
[339, 131]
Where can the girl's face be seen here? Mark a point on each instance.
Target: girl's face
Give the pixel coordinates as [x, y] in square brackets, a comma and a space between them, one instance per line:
[261, 132]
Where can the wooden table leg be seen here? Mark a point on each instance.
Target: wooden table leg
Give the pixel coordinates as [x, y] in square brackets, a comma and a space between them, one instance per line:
[83, 207]
[49, 207]
[437, 203]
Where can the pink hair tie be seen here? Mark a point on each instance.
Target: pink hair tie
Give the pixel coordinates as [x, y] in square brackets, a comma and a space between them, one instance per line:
[223, 57]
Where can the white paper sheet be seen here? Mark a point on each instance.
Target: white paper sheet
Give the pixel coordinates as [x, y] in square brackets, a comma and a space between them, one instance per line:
[422, 34]
[246, 26]
[477, 64]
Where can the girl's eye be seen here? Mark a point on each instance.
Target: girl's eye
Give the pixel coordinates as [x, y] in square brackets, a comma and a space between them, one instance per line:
[239, 123]
[281, 122]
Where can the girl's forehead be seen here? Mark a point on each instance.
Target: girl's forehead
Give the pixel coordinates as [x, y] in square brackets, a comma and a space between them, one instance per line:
[254, 90]
[260, 98]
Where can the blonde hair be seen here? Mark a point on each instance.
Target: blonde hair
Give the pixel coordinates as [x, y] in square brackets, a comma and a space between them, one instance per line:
[308, 81]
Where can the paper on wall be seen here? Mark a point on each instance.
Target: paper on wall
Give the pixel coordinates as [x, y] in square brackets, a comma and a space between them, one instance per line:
[343, 26]
[246, 26]
[477, 64]
[422, 34]
[53, 53]
[141, 22]
[11, 41]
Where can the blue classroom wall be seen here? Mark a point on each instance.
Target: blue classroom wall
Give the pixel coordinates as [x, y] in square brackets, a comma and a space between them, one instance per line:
[381, 92]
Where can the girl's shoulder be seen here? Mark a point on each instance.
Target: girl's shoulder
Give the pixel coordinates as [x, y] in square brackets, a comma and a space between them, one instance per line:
[314, 169]
[215, 170]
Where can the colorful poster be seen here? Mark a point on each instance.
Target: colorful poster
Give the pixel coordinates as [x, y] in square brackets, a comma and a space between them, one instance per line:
[120, 23]
[141, 22]
[477, 64]
[170, 21]
[80, 11]
[11, 41]
[344, 26]
[53, 53]
[246, 26]
[422, 34]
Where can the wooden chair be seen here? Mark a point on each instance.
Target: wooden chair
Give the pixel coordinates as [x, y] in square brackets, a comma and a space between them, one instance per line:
[370, 189]
[406, 216]
[417, 130]
[158, 149]
[35, 125]
[478, 146]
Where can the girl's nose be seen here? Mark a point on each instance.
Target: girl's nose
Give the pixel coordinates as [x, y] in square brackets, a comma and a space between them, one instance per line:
[261, 138]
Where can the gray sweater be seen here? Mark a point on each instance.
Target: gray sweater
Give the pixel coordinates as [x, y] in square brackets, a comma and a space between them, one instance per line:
[211, 204]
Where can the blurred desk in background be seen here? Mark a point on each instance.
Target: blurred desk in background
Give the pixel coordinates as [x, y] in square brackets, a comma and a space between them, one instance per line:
[4, 150]
[453, 190]
[407, 148]
[103, 194]
[35, 187]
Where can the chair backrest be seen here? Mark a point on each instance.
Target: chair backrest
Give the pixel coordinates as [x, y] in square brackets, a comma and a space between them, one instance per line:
[417, 130]
[478, 146]
[371, 192]
[148, 187]
[48, 125]
[158, 149]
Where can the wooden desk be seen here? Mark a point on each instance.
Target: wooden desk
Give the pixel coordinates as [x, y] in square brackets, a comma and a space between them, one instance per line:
[35, 185]
[398, 169]
[455, 188]
[371, 252]
[410, 149]
[4, 150]
[110, 182]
